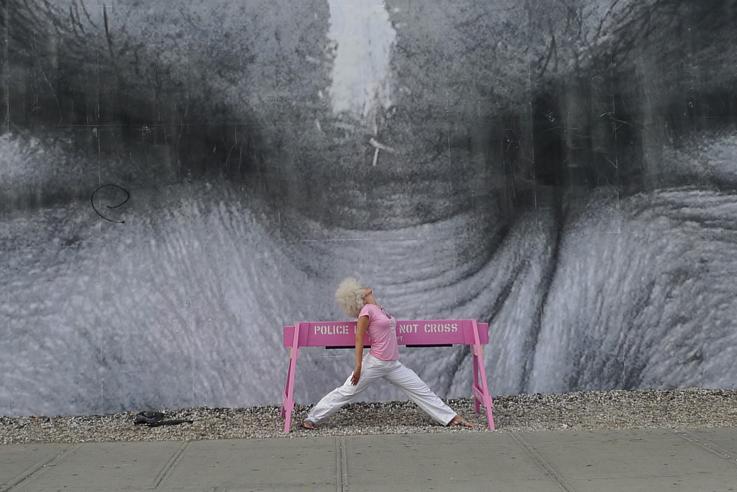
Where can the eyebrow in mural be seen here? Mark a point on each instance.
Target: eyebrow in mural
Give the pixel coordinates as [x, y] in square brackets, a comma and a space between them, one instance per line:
[92, 201]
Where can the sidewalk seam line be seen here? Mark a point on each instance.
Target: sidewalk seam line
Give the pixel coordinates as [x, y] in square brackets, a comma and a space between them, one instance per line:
[343, 465]
[707, 445]
[547, 467]
[338, 466]
[39, 468]
[169, 465]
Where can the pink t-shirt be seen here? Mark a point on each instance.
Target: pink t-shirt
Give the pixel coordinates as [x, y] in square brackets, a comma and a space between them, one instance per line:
[382, 331]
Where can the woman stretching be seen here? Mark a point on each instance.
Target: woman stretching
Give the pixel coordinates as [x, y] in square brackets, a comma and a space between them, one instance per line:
[382, 361]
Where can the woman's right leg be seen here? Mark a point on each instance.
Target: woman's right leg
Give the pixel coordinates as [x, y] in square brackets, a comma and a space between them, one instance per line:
[419, 392]
[342, 395]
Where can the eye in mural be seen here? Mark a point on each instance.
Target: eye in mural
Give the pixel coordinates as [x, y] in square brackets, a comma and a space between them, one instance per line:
[562, 170]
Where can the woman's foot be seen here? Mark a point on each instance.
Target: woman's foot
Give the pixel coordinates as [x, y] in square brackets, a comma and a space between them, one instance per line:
[460, 422]
[306, 424]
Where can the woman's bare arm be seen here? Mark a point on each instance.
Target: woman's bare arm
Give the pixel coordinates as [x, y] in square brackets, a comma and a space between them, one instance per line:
[363, 322]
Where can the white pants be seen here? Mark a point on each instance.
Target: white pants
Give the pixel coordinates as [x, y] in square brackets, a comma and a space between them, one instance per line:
[397, 374]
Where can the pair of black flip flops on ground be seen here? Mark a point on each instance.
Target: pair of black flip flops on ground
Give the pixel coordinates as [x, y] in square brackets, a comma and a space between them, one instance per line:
[155, 419]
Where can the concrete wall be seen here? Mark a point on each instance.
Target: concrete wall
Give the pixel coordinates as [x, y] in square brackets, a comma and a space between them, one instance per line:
[180, 179]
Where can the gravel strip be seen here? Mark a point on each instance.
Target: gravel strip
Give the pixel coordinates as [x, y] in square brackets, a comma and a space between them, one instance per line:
[592, 410]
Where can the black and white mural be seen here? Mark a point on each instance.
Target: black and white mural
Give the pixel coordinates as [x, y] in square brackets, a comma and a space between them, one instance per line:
[180, 179]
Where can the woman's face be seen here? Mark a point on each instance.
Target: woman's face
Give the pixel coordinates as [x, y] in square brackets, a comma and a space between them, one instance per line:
[368, 296]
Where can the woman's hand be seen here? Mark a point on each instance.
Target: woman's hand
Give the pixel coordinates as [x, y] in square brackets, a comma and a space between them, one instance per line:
[356, 375]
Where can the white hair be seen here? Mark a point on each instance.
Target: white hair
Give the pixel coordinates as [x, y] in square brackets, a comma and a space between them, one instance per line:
[349, 296]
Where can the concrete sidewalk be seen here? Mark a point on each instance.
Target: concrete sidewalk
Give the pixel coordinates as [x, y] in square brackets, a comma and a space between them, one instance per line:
[647, 460]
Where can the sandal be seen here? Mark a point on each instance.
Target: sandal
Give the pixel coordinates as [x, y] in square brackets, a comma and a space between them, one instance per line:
[460, 422]
[306, 424]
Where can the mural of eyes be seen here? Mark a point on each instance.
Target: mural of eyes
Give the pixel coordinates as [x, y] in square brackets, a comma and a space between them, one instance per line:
[564, 171]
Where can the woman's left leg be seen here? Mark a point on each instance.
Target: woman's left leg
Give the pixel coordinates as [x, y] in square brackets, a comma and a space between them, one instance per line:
[420, 393]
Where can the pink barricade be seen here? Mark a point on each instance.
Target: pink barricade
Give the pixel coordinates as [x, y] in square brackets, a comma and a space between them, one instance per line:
[412, 333]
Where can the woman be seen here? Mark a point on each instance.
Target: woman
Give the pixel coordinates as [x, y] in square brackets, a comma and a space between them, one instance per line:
[381, 361]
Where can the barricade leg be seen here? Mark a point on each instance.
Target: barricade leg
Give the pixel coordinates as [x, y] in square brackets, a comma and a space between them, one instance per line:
[285, 394]
[476, 402]
[488, 403]
[289, 394]
[482, 392]
[288, 405]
